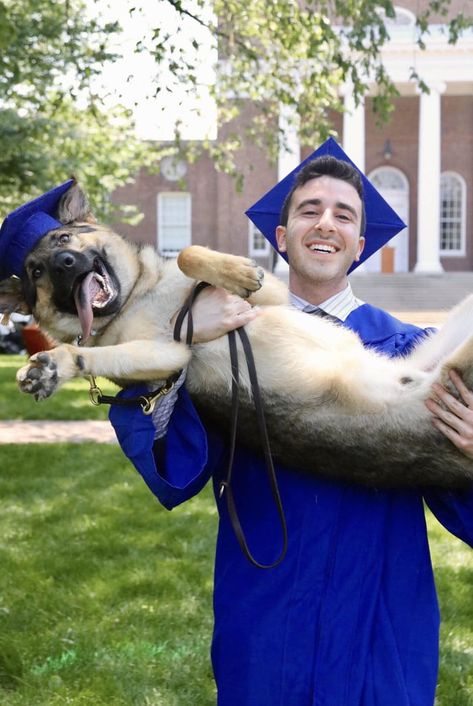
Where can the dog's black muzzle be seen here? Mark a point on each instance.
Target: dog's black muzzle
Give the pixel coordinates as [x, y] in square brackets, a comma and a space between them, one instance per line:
[66, 270]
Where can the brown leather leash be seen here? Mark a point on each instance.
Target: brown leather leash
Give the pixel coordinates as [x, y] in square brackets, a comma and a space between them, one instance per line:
[225, 484]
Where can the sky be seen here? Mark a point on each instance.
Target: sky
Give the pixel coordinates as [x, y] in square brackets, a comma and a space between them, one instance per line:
[131, 81]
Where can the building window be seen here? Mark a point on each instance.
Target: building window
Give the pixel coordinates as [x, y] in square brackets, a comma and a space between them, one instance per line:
[258, 246]
[452, 214]
[174, 222]
[393, 186]
[389, 179]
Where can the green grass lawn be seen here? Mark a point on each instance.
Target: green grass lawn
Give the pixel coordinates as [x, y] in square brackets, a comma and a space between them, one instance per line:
[453, 565]
[105, 597]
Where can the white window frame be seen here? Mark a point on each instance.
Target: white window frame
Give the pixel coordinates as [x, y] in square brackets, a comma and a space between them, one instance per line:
[408, 18]
[187, 206]
[460, 252]
[252, 250]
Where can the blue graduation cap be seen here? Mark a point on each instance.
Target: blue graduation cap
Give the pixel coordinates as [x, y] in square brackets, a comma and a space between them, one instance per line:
[24, 226]
[382, 222]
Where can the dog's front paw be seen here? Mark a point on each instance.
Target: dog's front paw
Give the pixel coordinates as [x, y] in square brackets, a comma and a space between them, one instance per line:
[240, 275]
[39, 377]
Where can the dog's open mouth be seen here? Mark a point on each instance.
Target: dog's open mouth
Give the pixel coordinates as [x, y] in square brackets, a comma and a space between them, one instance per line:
[94, 291]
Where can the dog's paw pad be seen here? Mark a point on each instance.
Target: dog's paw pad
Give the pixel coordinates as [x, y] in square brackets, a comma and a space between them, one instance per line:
[39, 377]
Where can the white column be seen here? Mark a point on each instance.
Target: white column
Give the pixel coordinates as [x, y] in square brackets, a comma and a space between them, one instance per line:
[428, 190]
[289, 157]
[354, 128]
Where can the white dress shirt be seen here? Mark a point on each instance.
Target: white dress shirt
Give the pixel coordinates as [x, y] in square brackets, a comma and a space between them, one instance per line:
[340, 305]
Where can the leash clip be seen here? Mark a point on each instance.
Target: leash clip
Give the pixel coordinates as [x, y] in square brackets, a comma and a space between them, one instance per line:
[148, 402]
[95, 393]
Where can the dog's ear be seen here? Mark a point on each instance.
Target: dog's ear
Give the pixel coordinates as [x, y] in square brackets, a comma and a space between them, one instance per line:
[12, 297]
[74, 206]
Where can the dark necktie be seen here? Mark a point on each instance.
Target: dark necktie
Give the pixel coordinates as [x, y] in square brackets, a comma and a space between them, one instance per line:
[316, 311]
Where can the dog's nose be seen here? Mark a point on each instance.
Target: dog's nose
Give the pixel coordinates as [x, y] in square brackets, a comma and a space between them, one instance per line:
[64, 261]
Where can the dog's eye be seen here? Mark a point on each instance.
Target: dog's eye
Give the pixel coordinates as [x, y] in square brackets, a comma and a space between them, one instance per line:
[64, 238]
[36, 272]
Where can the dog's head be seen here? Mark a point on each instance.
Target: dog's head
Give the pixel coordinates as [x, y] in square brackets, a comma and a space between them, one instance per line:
[71, 278]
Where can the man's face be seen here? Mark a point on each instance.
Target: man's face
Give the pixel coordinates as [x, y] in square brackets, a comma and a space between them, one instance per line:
[322, 237]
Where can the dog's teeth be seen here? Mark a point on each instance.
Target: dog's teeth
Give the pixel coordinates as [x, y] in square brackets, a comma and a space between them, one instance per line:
[102, 297]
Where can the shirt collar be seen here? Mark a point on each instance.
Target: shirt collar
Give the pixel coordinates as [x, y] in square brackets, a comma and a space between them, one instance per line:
[340, 305]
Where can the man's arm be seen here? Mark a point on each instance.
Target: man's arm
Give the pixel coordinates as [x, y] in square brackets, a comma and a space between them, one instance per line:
[172, 451]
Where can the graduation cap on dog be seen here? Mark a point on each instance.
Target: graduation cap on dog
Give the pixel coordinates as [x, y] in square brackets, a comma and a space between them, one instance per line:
[382, 222]
[24, 226]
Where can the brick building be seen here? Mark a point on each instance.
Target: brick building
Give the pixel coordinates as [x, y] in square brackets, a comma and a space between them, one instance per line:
[421, 161]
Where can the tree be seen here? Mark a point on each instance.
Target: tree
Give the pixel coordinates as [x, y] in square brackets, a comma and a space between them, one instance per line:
[273, 53]
[52, 122]
[288, 53]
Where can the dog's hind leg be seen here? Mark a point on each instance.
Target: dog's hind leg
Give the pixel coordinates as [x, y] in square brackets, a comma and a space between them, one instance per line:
[462, 362]
[458, 327]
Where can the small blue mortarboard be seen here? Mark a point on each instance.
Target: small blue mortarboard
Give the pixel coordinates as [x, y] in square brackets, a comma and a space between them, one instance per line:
[382, 222]
[24, 226]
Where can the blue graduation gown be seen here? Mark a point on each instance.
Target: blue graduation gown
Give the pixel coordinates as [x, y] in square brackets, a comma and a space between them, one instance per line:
[350, 618]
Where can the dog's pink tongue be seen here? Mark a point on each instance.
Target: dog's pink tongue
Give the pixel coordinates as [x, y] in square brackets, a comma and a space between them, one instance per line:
[84, 295]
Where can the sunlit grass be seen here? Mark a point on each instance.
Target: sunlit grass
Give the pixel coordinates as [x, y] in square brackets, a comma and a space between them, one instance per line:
[453, 563]
[105, 595]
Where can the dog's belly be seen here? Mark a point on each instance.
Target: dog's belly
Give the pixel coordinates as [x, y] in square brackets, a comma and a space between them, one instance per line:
[373, 450]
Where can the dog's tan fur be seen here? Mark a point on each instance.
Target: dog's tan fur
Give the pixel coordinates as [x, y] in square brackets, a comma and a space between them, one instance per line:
[331, 403]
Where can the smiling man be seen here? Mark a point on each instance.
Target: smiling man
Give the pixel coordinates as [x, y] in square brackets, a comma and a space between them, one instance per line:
[350, 616]
[321, 230]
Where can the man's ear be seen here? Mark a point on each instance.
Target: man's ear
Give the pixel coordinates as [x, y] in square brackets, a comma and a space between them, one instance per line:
[74, 206]
[281, 238]
[12, 298]
[361, 247]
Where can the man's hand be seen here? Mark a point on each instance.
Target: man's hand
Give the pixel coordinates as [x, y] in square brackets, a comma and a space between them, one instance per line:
[216, 312]
[455, 418]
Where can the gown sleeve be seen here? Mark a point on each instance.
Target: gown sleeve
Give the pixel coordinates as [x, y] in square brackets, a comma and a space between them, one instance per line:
[454, 510]
[176, 467]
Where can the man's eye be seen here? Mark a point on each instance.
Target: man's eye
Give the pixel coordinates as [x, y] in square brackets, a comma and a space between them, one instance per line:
[64, 238]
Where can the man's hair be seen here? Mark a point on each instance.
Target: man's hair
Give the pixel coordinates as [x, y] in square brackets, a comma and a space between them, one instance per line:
[326, 166]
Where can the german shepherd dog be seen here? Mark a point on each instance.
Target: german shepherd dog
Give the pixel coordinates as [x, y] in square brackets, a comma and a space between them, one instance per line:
[332, 406]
